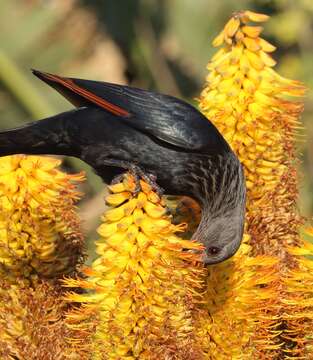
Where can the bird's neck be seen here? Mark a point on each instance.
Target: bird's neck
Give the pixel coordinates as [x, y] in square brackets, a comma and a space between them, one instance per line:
[220, 184]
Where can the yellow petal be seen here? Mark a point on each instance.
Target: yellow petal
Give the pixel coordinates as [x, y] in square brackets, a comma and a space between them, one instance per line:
[232, 26]
[117, 199]
[107, 229]
[239, 36]
[257, 17]
[267, 59]
[141, 200]
[115, 214]
[155, 211]
[244, 64]
[7, 165]
[236, 53]
[138, 216]
[266, 46]
[124, 223]
[116, 240]
[155, 226]
[143, 240]
[218, 54]
[252, 31]
[218, 41]
[226, 85]
[249, 86]
[251, 44]
[254, 60]
[116, 188]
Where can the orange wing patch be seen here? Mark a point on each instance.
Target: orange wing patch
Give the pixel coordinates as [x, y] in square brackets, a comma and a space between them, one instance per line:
[69, 84]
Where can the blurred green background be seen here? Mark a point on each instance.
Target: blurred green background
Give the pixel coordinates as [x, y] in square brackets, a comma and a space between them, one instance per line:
[154, 44]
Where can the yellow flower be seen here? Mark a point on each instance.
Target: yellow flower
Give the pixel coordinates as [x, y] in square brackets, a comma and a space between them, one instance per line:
[245, 98]
[39, 230]
[253, 108]
[142, 287]
[237, 292]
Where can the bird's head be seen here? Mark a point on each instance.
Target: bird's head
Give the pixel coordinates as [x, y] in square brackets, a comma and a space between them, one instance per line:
[222, 194]
[221, 235]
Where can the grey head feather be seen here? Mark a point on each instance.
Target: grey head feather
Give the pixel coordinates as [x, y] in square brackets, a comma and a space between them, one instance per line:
[222, 185]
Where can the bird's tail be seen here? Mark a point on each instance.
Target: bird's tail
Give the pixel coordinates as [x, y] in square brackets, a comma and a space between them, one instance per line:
[47, 136]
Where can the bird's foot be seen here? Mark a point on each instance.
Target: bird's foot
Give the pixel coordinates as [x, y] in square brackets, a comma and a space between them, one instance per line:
[151, 180]
[138, 174]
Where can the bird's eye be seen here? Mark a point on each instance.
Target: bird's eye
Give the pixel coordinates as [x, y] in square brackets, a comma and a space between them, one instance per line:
[213, 250]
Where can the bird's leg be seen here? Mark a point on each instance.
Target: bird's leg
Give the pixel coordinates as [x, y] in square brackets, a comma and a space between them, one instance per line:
[137, 172]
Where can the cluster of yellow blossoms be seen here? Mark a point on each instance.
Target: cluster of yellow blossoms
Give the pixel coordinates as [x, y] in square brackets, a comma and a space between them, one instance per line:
[250, 104]
[39, 229]
[142, 287]
[244, 97]
[40, 240]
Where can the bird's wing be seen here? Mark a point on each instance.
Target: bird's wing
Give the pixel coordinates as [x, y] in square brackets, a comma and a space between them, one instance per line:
[164, 117]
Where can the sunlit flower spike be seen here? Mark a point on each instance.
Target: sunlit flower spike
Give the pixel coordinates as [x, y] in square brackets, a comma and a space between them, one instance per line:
[143, 287]
[252, 106]
[39, 229]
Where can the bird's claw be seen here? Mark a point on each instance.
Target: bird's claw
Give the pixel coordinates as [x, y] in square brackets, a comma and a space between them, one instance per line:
[150, 179]
[138, 173]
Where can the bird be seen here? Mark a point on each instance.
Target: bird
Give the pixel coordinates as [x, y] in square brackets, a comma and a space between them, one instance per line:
[117, 128]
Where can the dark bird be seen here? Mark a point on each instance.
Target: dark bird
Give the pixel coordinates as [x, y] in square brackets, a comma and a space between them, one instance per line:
[117, 127]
